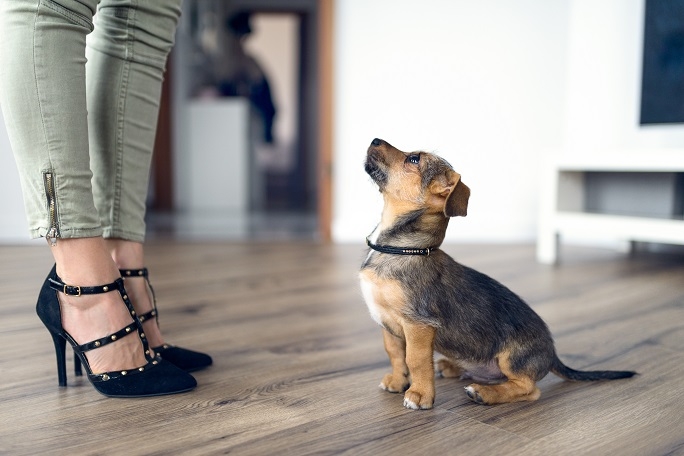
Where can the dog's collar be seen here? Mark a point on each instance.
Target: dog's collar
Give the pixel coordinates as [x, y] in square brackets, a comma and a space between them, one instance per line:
[399, 250]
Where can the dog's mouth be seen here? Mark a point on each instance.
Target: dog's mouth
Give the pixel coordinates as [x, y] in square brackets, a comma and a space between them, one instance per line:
[374, 167]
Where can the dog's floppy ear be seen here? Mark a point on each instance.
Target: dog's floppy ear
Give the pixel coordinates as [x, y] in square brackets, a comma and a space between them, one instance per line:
[456, 203]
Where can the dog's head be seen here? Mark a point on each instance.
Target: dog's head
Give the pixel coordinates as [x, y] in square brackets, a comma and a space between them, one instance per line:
[416, 180]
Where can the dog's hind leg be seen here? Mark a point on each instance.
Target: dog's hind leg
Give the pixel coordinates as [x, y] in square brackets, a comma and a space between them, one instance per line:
[514, 390]
[519, 387]
[419, 359]
[398, 380]
[447, 368]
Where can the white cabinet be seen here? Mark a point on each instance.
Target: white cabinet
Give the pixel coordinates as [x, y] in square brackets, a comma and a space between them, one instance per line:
[566, 209]
[216, 168]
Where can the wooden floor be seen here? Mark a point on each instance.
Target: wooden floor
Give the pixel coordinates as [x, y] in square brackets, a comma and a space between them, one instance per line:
[298, 360]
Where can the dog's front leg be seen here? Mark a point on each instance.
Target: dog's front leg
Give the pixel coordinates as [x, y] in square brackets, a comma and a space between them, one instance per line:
[419, 359]
[397, 381]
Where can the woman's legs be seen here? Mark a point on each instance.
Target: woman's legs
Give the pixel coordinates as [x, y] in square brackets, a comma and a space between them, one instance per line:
[86, 262]
[127, 54]
[43, 97]
[42, 94]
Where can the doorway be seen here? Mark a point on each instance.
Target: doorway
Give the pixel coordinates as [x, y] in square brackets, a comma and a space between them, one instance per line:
[266, 53]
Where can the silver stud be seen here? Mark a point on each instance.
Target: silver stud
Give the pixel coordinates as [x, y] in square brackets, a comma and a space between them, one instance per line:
[124, 372]
[105, 377]
[113, 337]
[128, 329]
[147, 352]
[105, 289]
[142, 335]
[142, 318]
[97, 343]
[141, 369]
[132, 312]
[125, 297]
[128, 272]
[141, 272]
[155, 362]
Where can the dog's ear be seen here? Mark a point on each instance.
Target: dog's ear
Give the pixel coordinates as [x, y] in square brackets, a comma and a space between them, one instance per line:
[457, 195]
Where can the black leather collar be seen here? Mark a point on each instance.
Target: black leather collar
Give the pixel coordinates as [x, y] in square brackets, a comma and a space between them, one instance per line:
[400, 250]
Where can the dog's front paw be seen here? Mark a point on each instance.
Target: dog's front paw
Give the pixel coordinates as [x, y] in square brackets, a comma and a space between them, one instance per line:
[417, 400]
[395, 383]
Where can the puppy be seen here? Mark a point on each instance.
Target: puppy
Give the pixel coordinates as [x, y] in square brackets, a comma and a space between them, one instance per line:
[426, 302]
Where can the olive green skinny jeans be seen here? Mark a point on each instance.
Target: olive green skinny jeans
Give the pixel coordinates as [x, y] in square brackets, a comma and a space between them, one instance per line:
[81, 114]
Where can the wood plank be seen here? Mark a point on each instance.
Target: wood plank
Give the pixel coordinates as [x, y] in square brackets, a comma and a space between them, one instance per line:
[298, 359]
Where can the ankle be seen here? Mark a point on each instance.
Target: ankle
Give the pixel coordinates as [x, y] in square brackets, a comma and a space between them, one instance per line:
[84, 262]
[126, 254]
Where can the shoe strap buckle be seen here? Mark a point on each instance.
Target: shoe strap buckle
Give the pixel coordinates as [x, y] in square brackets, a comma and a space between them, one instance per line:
[74, 290]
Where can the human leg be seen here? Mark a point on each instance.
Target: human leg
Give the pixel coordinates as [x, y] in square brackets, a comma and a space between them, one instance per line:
[129, 256]
[43, 97]
[127, 54]
[42, 94]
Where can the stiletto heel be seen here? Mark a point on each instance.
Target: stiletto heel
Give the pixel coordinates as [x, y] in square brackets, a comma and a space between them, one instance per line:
[77, 366]
[60, 351]
[188, 360]
[157, 377]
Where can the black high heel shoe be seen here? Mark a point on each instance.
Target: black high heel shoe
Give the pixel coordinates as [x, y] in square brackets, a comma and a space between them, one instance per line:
[188, 360]
[157, 377]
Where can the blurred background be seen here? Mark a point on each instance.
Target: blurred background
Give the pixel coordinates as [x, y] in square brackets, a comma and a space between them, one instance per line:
[269, 107]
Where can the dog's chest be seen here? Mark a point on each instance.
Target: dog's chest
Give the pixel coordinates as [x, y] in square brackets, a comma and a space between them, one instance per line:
[369, 291]
[384, 297]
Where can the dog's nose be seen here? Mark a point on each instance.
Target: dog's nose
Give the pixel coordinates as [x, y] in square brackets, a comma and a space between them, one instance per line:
[376, 142]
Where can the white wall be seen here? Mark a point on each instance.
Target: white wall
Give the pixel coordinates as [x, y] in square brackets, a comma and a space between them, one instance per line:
[481, 83]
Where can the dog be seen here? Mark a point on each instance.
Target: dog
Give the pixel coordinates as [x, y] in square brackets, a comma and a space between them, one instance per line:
[426, 302]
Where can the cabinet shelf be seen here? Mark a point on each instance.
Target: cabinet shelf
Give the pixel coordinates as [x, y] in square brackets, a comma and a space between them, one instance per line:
[565, 210]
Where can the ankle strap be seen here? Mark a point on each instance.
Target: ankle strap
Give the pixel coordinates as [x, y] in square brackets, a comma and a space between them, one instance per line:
[75, 290]
[146, 316]
[134, 272]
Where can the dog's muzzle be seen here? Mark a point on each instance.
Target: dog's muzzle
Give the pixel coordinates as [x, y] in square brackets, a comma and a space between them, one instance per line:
[374, 167]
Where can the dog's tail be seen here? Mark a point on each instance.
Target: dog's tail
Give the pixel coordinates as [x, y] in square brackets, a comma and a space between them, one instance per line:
[568, 373]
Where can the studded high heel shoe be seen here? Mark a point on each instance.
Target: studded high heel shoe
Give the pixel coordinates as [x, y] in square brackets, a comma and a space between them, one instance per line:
[188, 360]
[157, 377]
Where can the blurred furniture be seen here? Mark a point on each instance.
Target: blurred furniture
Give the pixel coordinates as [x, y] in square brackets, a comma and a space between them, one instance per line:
[625, 195]
[218, 163]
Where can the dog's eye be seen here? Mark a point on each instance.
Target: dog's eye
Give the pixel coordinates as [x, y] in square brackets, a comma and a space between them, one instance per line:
[413, 158]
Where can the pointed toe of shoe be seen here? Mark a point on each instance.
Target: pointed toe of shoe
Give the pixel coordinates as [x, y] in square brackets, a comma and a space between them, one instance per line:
[187, 360]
